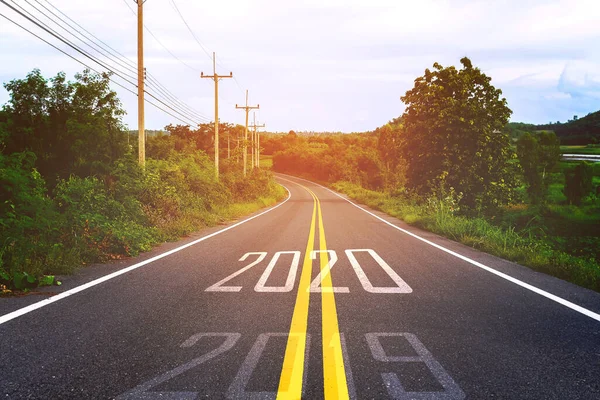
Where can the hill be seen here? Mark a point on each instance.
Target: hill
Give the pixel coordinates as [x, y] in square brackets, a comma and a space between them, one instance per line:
[578, 131]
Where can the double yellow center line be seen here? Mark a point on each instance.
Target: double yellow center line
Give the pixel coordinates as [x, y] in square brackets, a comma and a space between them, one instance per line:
[334, 374]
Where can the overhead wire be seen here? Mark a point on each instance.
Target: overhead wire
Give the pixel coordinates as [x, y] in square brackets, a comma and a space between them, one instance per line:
[161, 44]
[115, 61]
[114, 53]
[190, 29]
[88, 66]
[49, 30]
[36, 21]
[88, 42]
[176, 104]
[106, 46]
[174, 4]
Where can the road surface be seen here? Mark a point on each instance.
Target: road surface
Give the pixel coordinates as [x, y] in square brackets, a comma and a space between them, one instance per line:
[315, 298]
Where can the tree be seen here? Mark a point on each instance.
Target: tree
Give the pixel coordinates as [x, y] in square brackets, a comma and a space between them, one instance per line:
[549, 146]
[71, 127]
[454, 136]
[529, 154]
[388, 145]
[578, 182]
[538, 153]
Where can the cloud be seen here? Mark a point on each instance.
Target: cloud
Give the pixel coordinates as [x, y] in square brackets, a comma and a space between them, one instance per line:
[338, 64]
[581, 79]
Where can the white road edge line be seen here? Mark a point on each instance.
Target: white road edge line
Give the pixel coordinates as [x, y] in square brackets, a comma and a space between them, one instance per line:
[534, 289]
[22, 311]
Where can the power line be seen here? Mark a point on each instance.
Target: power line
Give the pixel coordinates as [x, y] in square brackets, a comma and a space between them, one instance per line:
[187, 113]
[162, 89]
[117, 53]
[61, 38]
[163, 103]
[190, 29]
[160, 43]
[91, 68]
[200, 43]
[181, 108]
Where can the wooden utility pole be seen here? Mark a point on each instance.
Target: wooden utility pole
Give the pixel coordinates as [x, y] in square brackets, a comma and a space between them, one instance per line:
[256, 139]
[216, 79]
[228, 145]
[140, 37]
[247, 108]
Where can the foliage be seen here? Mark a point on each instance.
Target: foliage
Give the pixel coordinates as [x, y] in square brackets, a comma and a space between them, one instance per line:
[72, 127]
[453, 133]
[437, 216]
[538, 154]
[516, 129]
[353, 158]
[578, 183]
[231, 137]
[578, 131]
[71, 193]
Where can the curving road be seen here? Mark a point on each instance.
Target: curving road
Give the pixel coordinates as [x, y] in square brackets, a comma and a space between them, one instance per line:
[314, 298]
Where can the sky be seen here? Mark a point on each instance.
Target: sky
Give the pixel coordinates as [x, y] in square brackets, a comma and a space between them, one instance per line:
[327, 65]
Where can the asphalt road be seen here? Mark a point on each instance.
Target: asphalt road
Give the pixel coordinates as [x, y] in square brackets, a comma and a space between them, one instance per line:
[395, 313]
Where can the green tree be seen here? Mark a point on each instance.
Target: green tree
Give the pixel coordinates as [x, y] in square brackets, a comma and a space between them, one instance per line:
[454, 135]
[578, 183]
[529, 157]
[71, 127]
[549, 145]
[538, 154]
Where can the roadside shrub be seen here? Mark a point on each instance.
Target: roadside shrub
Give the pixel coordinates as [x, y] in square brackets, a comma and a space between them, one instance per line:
[523, 246]
[578, 182]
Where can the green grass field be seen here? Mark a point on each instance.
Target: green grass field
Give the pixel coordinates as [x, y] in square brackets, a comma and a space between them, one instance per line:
[579, 150]
[266, 162]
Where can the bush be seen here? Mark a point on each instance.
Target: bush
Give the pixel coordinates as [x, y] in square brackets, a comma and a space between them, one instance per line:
[578, 182]
[122, 213]
[436, 214]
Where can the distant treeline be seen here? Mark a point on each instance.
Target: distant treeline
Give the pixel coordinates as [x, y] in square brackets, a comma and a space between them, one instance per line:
[151, 132]
[577, 131]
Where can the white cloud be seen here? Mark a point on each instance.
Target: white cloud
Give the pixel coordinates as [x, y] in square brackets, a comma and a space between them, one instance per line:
[558, 96]
[312, 63]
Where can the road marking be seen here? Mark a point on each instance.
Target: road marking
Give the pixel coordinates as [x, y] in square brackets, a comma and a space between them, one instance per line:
[334, 373]
[292, 371]
[401, 286]
[218, 287]
[315, 286]
[261, 285]
[142, 391]
[237, 389]
[392, 383]
[509, 278]
[53, 299]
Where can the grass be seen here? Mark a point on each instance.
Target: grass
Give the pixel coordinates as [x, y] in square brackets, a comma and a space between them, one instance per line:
[237, 210]
[521, 246]
[266, 161]
[580, 150]
[64, 260]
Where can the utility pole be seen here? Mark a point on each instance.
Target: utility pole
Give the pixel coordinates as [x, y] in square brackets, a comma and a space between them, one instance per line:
[247, 108]
[141, 129]
[256, 136]
[228, 145]
[216, 79]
